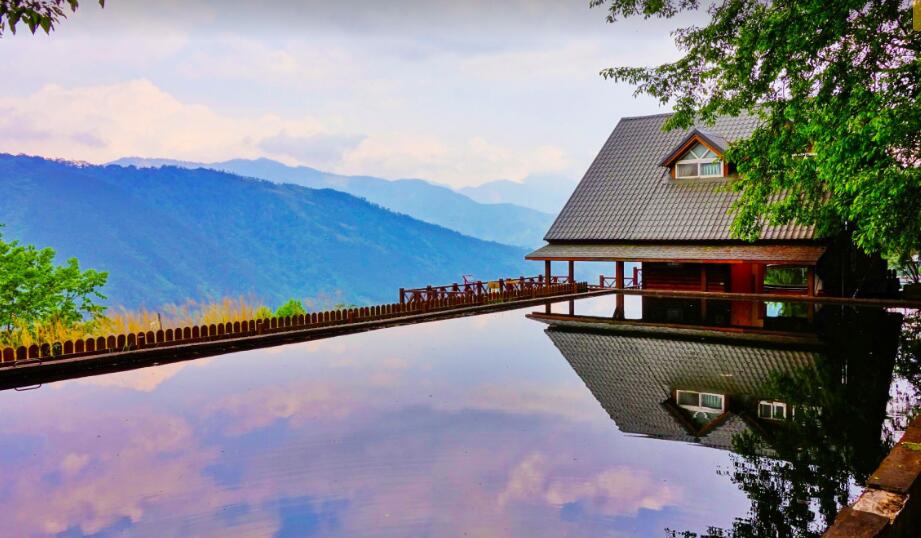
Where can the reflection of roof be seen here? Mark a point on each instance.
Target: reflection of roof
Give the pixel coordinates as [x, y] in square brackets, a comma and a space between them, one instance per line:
[626, 195]
[807, 254]
[631, 376]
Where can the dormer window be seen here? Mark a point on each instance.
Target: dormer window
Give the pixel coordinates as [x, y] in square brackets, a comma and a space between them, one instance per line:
[699, 155]
[699, 161]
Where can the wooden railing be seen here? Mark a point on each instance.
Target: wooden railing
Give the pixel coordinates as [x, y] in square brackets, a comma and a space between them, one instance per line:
[238, 329]
[634, 281]
[476, 288]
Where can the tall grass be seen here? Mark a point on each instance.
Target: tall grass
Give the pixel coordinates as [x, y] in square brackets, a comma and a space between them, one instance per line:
[122, 321]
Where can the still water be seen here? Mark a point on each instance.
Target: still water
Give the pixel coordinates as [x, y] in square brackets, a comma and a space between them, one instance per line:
[496, 425]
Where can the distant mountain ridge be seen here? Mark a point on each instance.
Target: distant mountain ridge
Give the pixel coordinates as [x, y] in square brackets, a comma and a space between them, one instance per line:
[169, 234]
[502, 222]
[546, 193]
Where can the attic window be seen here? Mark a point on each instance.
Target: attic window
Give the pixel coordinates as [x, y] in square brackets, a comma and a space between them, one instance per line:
[699, 161]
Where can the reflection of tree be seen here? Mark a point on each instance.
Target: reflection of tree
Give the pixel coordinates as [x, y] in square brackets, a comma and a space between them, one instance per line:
[906, 399]
[800, 472]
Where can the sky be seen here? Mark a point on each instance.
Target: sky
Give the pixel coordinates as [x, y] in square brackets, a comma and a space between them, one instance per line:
[459, 93]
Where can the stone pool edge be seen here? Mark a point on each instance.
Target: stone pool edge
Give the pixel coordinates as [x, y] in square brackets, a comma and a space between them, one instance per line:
[890, 506]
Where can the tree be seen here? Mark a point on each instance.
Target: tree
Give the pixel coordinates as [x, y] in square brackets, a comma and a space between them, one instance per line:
[33, 290]
[292, 308]
[35, 14]
[837, 87]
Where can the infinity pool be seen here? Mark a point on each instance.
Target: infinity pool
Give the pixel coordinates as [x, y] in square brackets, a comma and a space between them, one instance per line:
[494, 425]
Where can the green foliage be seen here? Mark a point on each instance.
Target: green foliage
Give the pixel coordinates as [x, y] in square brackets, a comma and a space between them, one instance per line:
[33, 290]
[263, 312]
[292, 308]
[785, 276]
[35, 14]
[837, 87]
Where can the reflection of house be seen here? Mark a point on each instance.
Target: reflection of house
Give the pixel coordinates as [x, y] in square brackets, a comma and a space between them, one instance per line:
[679, 389]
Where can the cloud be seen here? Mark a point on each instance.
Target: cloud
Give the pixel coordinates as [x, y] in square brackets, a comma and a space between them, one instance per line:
[318, 149]
[464, 162]
[104, 122]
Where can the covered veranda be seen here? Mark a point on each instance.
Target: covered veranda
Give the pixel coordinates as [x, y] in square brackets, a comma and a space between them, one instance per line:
[722, 267]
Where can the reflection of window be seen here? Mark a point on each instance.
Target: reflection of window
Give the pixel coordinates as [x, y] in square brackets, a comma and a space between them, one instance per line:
[787, 310]
[699, 161]
[700, 401]
[772, 410]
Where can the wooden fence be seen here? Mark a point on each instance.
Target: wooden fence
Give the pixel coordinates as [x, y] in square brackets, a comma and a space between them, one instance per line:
[225, 331]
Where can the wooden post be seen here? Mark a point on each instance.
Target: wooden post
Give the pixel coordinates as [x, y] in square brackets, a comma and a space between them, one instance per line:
[547, 273]
[572, 271]
[402, 296]
[636, 276]
[810, 280]
[703, 277]
[619, 283]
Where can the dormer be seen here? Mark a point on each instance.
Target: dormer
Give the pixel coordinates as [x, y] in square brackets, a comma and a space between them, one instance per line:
[698, 156]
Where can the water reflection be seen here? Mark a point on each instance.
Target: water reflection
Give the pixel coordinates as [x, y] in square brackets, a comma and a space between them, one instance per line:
[478, 426]
[797, 392]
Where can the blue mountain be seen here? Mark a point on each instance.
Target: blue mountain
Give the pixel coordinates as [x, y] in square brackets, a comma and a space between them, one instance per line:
[502, 222]
[171, 233]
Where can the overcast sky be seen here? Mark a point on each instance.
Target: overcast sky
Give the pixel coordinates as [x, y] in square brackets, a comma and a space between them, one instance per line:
[458, 92]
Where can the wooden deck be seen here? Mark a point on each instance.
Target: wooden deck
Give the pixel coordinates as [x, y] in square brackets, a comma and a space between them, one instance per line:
[35, 372]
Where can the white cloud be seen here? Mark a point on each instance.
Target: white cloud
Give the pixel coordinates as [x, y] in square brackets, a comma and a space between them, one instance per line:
[465, 162]
[136, 118]
[101, 123]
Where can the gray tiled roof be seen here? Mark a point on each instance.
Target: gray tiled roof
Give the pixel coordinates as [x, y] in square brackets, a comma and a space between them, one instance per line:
[631, 376]
[626, 195]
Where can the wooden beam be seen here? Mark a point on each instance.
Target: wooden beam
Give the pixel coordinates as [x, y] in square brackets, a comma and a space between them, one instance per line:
[547, 273]
[619, 281]
[572, 271]
[810, 281]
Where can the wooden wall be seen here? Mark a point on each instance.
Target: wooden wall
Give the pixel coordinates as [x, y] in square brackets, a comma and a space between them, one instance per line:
[685, 276]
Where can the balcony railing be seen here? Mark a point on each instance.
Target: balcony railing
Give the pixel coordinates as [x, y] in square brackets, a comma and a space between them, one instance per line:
[634, 281]
[477, 288]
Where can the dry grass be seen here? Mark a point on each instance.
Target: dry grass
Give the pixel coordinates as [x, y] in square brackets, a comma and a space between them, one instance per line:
[123, 321]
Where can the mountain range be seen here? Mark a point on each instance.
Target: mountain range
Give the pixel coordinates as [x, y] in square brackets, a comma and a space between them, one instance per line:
[171, 233]
[545, 193]
[503, 222]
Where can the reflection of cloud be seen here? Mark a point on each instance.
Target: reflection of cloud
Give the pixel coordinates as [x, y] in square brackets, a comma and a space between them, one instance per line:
[141, 380]
[255, 409]
[535, 399]
[111, 468]
[617, 491]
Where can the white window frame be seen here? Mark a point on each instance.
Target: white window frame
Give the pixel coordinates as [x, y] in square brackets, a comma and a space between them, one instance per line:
[773, 405]
[700, 408]
[698, 162]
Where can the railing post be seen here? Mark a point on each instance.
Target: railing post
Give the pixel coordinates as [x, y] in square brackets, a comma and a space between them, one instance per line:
[402, 296]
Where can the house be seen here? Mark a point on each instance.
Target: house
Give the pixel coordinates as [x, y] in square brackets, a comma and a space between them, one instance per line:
[659, 198]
